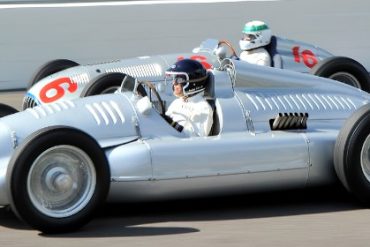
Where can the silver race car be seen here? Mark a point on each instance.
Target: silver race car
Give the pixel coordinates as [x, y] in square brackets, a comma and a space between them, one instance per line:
[65, 80]
[273, 129]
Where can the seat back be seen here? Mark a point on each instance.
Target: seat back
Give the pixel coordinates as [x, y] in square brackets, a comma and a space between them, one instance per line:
[209, 91]
[209, 95]
[271, 48]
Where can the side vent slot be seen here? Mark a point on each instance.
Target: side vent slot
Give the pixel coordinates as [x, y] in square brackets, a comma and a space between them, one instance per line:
[286, 121]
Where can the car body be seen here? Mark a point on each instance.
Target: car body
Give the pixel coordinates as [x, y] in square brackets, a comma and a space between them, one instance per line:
[74, 80]
[273, 129]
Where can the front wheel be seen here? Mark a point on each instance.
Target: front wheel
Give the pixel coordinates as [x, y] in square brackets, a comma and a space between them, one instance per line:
[49, 68]
[352, 154]
[58, 178]
[6, 110]
[345, 70]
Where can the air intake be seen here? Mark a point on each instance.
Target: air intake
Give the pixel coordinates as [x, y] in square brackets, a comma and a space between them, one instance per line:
[286, 121]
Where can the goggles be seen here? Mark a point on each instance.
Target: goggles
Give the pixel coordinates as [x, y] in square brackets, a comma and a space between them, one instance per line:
[177, 77]
[249, 37]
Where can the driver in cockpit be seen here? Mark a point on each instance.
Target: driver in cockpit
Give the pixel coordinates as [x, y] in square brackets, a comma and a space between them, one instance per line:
[190, 112]
[256, 35]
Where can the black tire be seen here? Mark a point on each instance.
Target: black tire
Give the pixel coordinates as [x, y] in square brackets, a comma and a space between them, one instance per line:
[351, 162]
[345, 70]
[103, 84]
[6, 110]
[49, 68]
[30, 197]
[109, 83]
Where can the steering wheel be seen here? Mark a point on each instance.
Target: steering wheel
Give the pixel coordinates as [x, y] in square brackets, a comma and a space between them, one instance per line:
[227, 43]
[153, 91]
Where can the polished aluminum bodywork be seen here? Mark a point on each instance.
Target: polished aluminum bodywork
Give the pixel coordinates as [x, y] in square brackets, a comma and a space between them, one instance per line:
[286, 54]
[148, 159]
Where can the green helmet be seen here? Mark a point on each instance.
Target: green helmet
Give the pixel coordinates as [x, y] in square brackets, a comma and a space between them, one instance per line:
[255, 34]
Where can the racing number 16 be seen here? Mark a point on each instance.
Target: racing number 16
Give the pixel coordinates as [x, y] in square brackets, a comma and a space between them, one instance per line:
[308, 57]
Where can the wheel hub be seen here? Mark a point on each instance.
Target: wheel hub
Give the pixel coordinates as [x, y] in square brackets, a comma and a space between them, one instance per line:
[61, 181]
[58, 180]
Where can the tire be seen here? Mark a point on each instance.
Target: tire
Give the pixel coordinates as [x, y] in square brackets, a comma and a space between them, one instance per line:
[49, 68]
[57, 179]
[6, 110]
[109, 83]
[345, 70]
[103, 84]
[352, 154]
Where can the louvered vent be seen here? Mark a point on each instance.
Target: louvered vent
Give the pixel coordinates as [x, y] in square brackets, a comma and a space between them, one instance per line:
[107, 113]
[299, 102]
[49, 109]
[145, 70]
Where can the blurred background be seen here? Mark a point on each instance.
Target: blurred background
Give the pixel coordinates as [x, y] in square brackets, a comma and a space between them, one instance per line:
[34, 32]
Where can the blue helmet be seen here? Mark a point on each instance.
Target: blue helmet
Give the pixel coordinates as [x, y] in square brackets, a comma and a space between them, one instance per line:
[190, 73]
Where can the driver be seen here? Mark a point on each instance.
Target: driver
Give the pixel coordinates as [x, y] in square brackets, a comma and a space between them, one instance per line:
[190, 112]
[256, 34]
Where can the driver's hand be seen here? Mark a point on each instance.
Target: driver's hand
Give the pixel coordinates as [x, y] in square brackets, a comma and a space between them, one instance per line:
[174, 124]
[144, 105]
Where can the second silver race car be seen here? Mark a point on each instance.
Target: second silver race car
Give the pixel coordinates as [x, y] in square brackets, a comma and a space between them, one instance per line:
[65, 80]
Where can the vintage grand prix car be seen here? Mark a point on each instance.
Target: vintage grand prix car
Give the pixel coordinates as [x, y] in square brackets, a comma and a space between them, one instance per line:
[273, 129]
[65, 80]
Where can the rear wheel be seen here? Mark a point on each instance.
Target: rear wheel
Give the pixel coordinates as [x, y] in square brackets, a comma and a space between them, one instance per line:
[58, 179]
[109, 83]
[103, 84]
[352, 154]
[49, 68]
[345, 70]
[6, 110]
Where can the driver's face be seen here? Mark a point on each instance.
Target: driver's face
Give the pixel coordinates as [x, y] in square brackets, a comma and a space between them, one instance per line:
[248, 37]
[177, 89]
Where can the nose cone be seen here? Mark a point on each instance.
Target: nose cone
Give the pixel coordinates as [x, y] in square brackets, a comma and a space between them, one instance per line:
[7, 141]
[6, 150]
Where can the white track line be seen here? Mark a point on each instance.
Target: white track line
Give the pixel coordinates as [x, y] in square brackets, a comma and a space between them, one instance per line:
[115, 3]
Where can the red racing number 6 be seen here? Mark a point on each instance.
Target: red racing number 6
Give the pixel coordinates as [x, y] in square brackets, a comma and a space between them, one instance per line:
[59, 89]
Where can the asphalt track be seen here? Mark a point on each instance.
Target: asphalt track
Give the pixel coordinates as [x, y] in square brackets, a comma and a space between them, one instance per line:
[317, 217]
